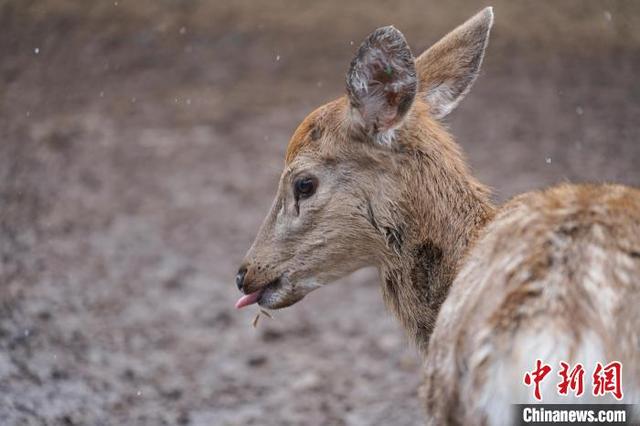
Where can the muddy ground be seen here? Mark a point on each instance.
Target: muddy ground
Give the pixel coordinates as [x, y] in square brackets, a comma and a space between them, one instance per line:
[140, 145]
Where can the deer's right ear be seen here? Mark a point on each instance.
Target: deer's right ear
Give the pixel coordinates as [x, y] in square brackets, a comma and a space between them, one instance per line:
[448, 69]
[382, 82]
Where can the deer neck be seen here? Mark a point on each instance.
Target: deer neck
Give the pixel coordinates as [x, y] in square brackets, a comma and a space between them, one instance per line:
[428, 238]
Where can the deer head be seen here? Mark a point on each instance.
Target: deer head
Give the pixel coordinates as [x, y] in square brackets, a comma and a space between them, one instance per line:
[367, 176]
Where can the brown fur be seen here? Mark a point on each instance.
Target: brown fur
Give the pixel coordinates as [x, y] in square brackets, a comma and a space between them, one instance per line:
[301, 137]
[553, 276]
[395, 192]
[404, 226]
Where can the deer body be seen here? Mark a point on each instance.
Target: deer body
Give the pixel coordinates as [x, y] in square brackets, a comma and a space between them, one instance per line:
[555, 276]
[373, 179]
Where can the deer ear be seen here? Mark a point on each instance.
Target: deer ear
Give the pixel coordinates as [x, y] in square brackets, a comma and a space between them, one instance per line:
[448, 69]
[381, 82]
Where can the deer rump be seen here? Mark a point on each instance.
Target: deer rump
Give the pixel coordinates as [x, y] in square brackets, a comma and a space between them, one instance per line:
[555, 277]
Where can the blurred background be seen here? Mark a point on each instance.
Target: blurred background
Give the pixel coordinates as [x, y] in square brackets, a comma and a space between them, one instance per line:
[140, 147]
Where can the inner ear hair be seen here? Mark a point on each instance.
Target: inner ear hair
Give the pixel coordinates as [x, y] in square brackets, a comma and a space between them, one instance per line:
[382, 82]
[449, 68]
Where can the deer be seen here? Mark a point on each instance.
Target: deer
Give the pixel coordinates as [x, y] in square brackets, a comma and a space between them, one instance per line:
[373, 178]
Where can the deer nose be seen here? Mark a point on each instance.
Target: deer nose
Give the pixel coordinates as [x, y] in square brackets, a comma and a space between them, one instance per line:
[240, 277]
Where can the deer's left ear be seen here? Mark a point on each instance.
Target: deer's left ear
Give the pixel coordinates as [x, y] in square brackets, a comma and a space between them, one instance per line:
[382, 82]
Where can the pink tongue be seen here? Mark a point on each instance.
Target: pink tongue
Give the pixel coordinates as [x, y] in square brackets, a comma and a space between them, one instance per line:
[248, 299]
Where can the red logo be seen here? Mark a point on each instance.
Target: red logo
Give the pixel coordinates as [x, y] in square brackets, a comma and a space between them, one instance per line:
[573, 379]
[536, 377]
[606, 379]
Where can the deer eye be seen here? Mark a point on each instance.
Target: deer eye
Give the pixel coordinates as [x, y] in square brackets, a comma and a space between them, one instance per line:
[305, 187]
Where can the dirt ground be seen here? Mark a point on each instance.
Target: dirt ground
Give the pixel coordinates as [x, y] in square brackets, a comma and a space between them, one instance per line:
[140, 146]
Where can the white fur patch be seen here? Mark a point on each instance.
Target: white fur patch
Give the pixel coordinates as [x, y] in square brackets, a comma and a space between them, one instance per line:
[386, 138]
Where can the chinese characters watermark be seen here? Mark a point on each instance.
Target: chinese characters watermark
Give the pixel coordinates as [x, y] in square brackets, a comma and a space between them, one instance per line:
[606, 379]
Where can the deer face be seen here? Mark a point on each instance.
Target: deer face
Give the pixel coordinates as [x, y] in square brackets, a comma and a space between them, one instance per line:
[343, 172]
[318, 228]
